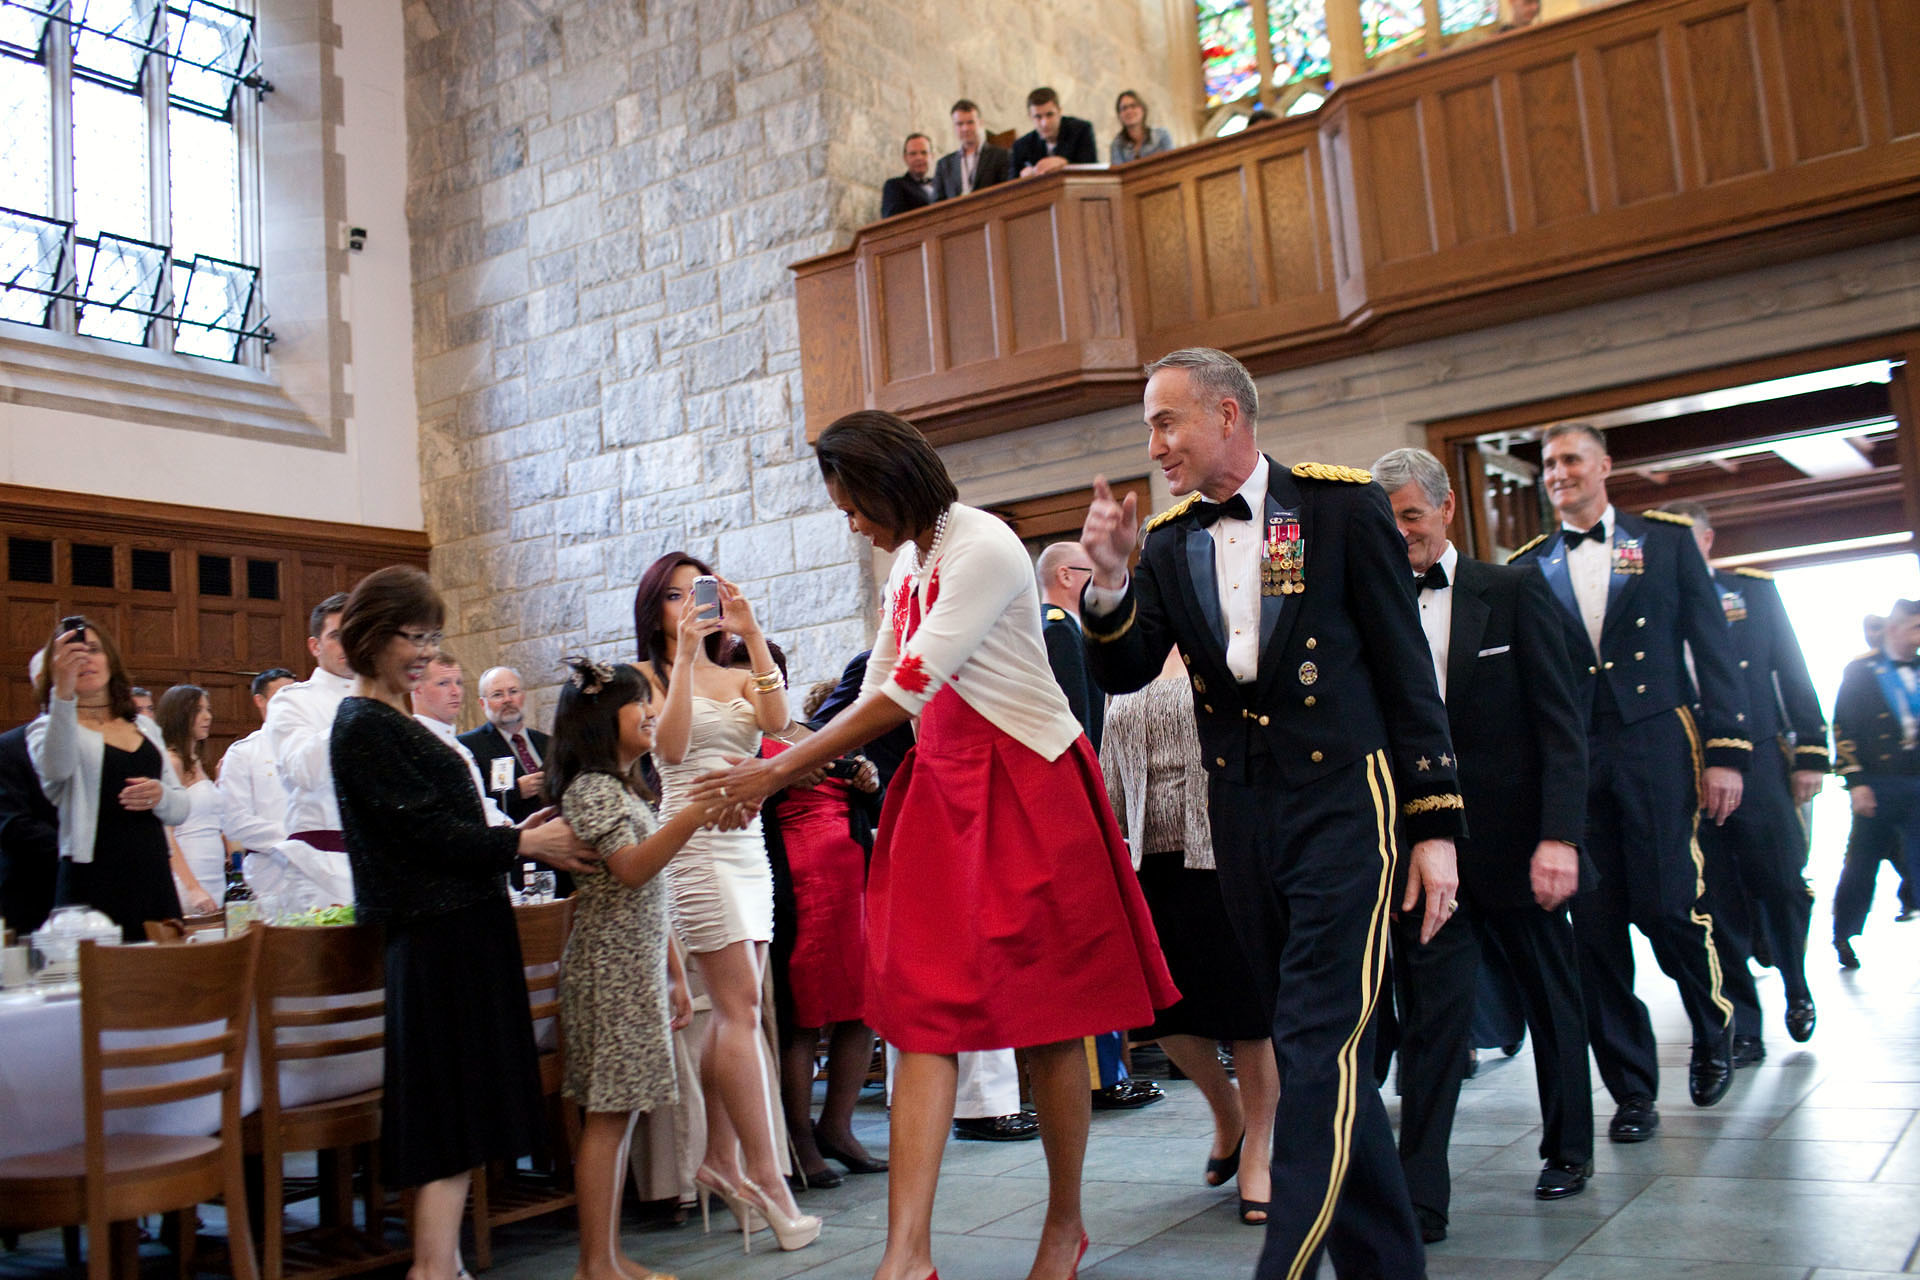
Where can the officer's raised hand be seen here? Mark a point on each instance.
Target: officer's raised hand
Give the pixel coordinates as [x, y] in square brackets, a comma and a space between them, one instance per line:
[1109, 534]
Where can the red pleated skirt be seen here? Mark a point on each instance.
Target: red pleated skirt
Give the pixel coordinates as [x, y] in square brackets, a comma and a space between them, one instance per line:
[1002, 907]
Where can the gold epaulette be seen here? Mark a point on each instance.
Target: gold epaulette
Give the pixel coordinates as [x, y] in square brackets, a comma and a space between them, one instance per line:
[1761, 574]
[1668, 516]
[1055, 613]
[1732, 744]
[1537, 540]
[1327, 471]
[1173, 512]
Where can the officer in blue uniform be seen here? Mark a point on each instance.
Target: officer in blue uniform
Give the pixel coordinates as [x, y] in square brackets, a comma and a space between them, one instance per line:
[1320, 724]
[1876, 731]
[1635, 597]
[1757, 859]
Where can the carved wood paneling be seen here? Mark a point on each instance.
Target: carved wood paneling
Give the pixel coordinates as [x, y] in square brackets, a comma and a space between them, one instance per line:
[1826, 107]
[1559, 166]
[969, 297]
[907, 313]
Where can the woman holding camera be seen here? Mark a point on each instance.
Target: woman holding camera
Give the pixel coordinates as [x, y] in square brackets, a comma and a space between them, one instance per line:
[720, 887]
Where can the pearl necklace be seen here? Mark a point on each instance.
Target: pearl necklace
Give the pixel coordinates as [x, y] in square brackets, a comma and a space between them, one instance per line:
[933, 551]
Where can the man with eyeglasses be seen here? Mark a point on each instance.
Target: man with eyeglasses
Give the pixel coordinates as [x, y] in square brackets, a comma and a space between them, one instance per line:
[309, 868]
[510, 753]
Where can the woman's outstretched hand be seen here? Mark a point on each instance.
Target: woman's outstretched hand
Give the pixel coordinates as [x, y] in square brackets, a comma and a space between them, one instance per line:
[747, 782]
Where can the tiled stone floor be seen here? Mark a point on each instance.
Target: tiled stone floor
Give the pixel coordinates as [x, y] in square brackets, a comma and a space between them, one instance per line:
[1809, 1170]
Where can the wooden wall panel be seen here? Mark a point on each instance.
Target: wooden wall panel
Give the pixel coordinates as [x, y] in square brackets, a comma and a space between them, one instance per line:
[1639, 119]
[1099, 231]
[1728, 125]
[1226, 243]
[1162, 219]
[1825, 105]
[1036, 299]
[836, 383]
[907, 315]
[1296, 232]
[1482, 202]
[1559, 168]
[1896, 23]
[1396, 160]
[969, 297]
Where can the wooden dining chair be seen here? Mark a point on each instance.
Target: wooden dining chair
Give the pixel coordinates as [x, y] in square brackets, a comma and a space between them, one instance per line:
[110, 1180]
[343, 966]
[502, 1193]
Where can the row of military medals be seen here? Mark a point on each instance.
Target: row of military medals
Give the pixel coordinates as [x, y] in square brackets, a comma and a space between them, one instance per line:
[1283, 571]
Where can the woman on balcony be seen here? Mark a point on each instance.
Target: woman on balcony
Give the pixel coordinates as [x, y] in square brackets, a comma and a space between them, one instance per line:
[1136, 139]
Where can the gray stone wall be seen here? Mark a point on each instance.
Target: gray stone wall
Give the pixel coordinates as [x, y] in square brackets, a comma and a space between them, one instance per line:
[604, 197]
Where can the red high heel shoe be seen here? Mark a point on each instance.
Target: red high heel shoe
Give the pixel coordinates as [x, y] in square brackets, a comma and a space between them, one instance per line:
[1073, 1274]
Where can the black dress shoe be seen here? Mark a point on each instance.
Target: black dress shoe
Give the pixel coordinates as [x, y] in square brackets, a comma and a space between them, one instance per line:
[824, 1180]
[1021, 1126]
[1433, 1224]
[1561, 1178]
[1634, 1121]
[1800, 1020]
[1129, 1095]
[832, 1150]
[1709, 1073]
[1748, 1051]
[1904, 914]
[1848, 958]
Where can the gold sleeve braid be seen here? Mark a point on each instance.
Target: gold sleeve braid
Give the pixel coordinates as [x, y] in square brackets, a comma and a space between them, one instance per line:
[1430, 804]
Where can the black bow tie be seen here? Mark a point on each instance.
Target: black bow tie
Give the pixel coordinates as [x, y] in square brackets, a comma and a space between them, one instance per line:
[1234, 508]
[1434, 579]
[1574, 537]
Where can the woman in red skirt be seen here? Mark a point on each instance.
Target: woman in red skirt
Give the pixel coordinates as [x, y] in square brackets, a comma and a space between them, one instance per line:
[1002, 908]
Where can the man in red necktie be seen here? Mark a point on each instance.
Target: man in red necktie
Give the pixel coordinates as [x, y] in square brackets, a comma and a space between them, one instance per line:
[507, 737]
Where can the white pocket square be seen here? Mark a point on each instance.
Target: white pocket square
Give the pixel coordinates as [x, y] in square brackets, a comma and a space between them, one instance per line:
[1500, 648]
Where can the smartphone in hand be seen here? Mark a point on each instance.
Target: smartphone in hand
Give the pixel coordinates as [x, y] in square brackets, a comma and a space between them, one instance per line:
[706, 591]
[75, 624]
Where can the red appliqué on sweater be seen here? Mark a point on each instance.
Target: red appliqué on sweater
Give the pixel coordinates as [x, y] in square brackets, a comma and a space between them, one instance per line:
[909, 675]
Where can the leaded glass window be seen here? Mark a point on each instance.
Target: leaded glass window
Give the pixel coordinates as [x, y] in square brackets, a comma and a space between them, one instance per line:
[1465, 15]
[1298, 31]
[1228, 57]
[125, 151]
[1387, 24]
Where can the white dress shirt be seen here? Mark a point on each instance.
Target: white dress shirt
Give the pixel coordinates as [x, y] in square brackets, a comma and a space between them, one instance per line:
[1237, 552]
[253, 804]
[299, 733]
[1436, 615]
[1590, 570]
[445, 732]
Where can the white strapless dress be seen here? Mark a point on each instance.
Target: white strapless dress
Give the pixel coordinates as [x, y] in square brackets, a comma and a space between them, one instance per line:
[200, 840]
[720, 885]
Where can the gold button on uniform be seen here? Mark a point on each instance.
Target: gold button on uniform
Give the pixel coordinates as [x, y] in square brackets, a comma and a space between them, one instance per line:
[1607, 665]
[1221, 761]
[1639, 657]
[1312, 643]
[1317, 757]
[1639, 622]
[1639, 688]
[1311, 699]
[1263, 720]
[1743, 664]
[1593, 671]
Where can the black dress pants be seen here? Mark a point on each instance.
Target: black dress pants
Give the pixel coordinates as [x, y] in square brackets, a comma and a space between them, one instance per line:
[1756, 889]
[1436, 1010]
[1307, 876]
[1642, 809]
[1892, 834]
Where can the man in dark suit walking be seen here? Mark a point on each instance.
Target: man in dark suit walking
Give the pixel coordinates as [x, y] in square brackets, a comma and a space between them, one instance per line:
[913, 189]
[1634, 598]
[1876, 744]
[1757, 859]
[1502, 670]
[1288, 595]
[1055, 141]
[975, 164]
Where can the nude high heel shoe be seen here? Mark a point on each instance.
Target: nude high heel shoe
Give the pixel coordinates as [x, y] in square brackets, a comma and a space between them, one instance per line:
[710, 1183]
[793, 1232]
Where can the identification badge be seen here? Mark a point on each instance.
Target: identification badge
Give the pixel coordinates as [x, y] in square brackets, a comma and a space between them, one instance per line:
[500, 773]
[1283, 571]
[1734, 605]
[1628, 557]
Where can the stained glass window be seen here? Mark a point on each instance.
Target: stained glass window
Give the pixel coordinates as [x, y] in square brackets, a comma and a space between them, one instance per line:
[1464, 15]
[1387, 24]
[1227, 55]
[1298, 31]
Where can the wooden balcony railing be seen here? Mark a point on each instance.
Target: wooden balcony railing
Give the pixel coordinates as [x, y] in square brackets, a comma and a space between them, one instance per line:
[1624, 149]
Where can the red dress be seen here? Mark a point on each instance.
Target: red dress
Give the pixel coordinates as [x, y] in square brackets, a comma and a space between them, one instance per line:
[828, 870]
[1002, 907]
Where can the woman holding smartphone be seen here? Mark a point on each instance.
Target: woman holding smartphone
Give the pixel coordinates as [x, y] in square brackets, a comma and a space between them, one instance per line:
[720, 887]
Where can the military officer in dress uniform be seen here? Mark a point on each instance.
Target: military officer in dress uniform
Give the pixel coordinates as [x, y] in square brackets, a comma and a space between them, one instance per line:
[1501, 664]
[1757, 859]
[1061, 571]
[1288, 595]
[1634, 597]
[1876, 731]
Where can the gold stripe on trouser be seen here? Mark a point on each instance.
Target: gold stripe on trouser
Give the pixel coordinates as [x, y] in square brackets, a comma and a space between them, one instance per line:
[1380, 783]
[1701, 918]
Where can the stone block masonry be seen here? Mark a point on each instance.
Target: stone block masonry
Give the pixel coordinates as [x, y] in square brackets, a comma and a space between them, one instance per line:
[603, 198]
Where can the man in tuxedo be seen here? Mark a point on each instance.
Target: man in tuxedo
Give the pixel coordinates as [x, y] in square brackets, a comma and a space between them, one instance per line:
[29, 833]
[914, 188]
[1502, 670]
[1321, 728]
[1634, 599]
[975, 164]
[1757, 859]
[507, 736]
[1055, 141]
[1876, 731]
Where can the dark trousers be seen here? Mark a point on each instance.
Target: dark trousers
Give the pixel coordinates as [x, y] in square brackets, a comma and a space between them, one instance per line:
[1755, 887]
[1436, 987]
[1499, 1015]
[1307, 877]
[1893, 833]
[1642, 807]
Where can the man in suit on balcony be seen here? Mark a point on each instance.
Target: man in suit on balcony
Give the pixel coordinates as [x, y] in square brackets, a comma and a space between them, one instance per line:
[913, 189]
[976, 164]
[1056, 140]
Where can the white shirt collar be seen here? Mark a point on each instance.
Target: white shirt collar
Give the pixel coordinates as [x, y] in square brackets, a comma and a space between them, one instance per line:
[440, 727]
[1254, 489]
[1449, 563]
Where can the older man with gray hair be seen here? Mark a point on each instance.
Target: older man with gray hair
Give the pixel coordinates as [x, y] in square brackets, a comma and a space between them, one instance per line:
[1502, 670]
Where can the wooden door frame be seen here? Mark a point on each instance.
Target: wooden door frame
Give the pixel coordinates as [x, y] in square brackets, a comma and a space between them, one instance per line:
[1445, 435]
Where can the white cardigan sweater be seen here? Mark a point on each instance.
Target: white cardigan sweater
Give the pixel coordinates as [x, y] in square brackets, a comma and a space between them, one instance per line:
[67, 755]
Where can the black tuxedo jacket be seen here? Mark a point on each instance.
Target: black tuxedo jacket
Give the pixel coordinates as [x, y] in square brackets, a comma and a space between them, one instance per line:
[29, 838]
[990, 170]
[1869, 736]
[902, 195]
[1344, 666]
[1075, 144]
[1521, 738]
[488, 745]
[1653, 617]
[1781, 701]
